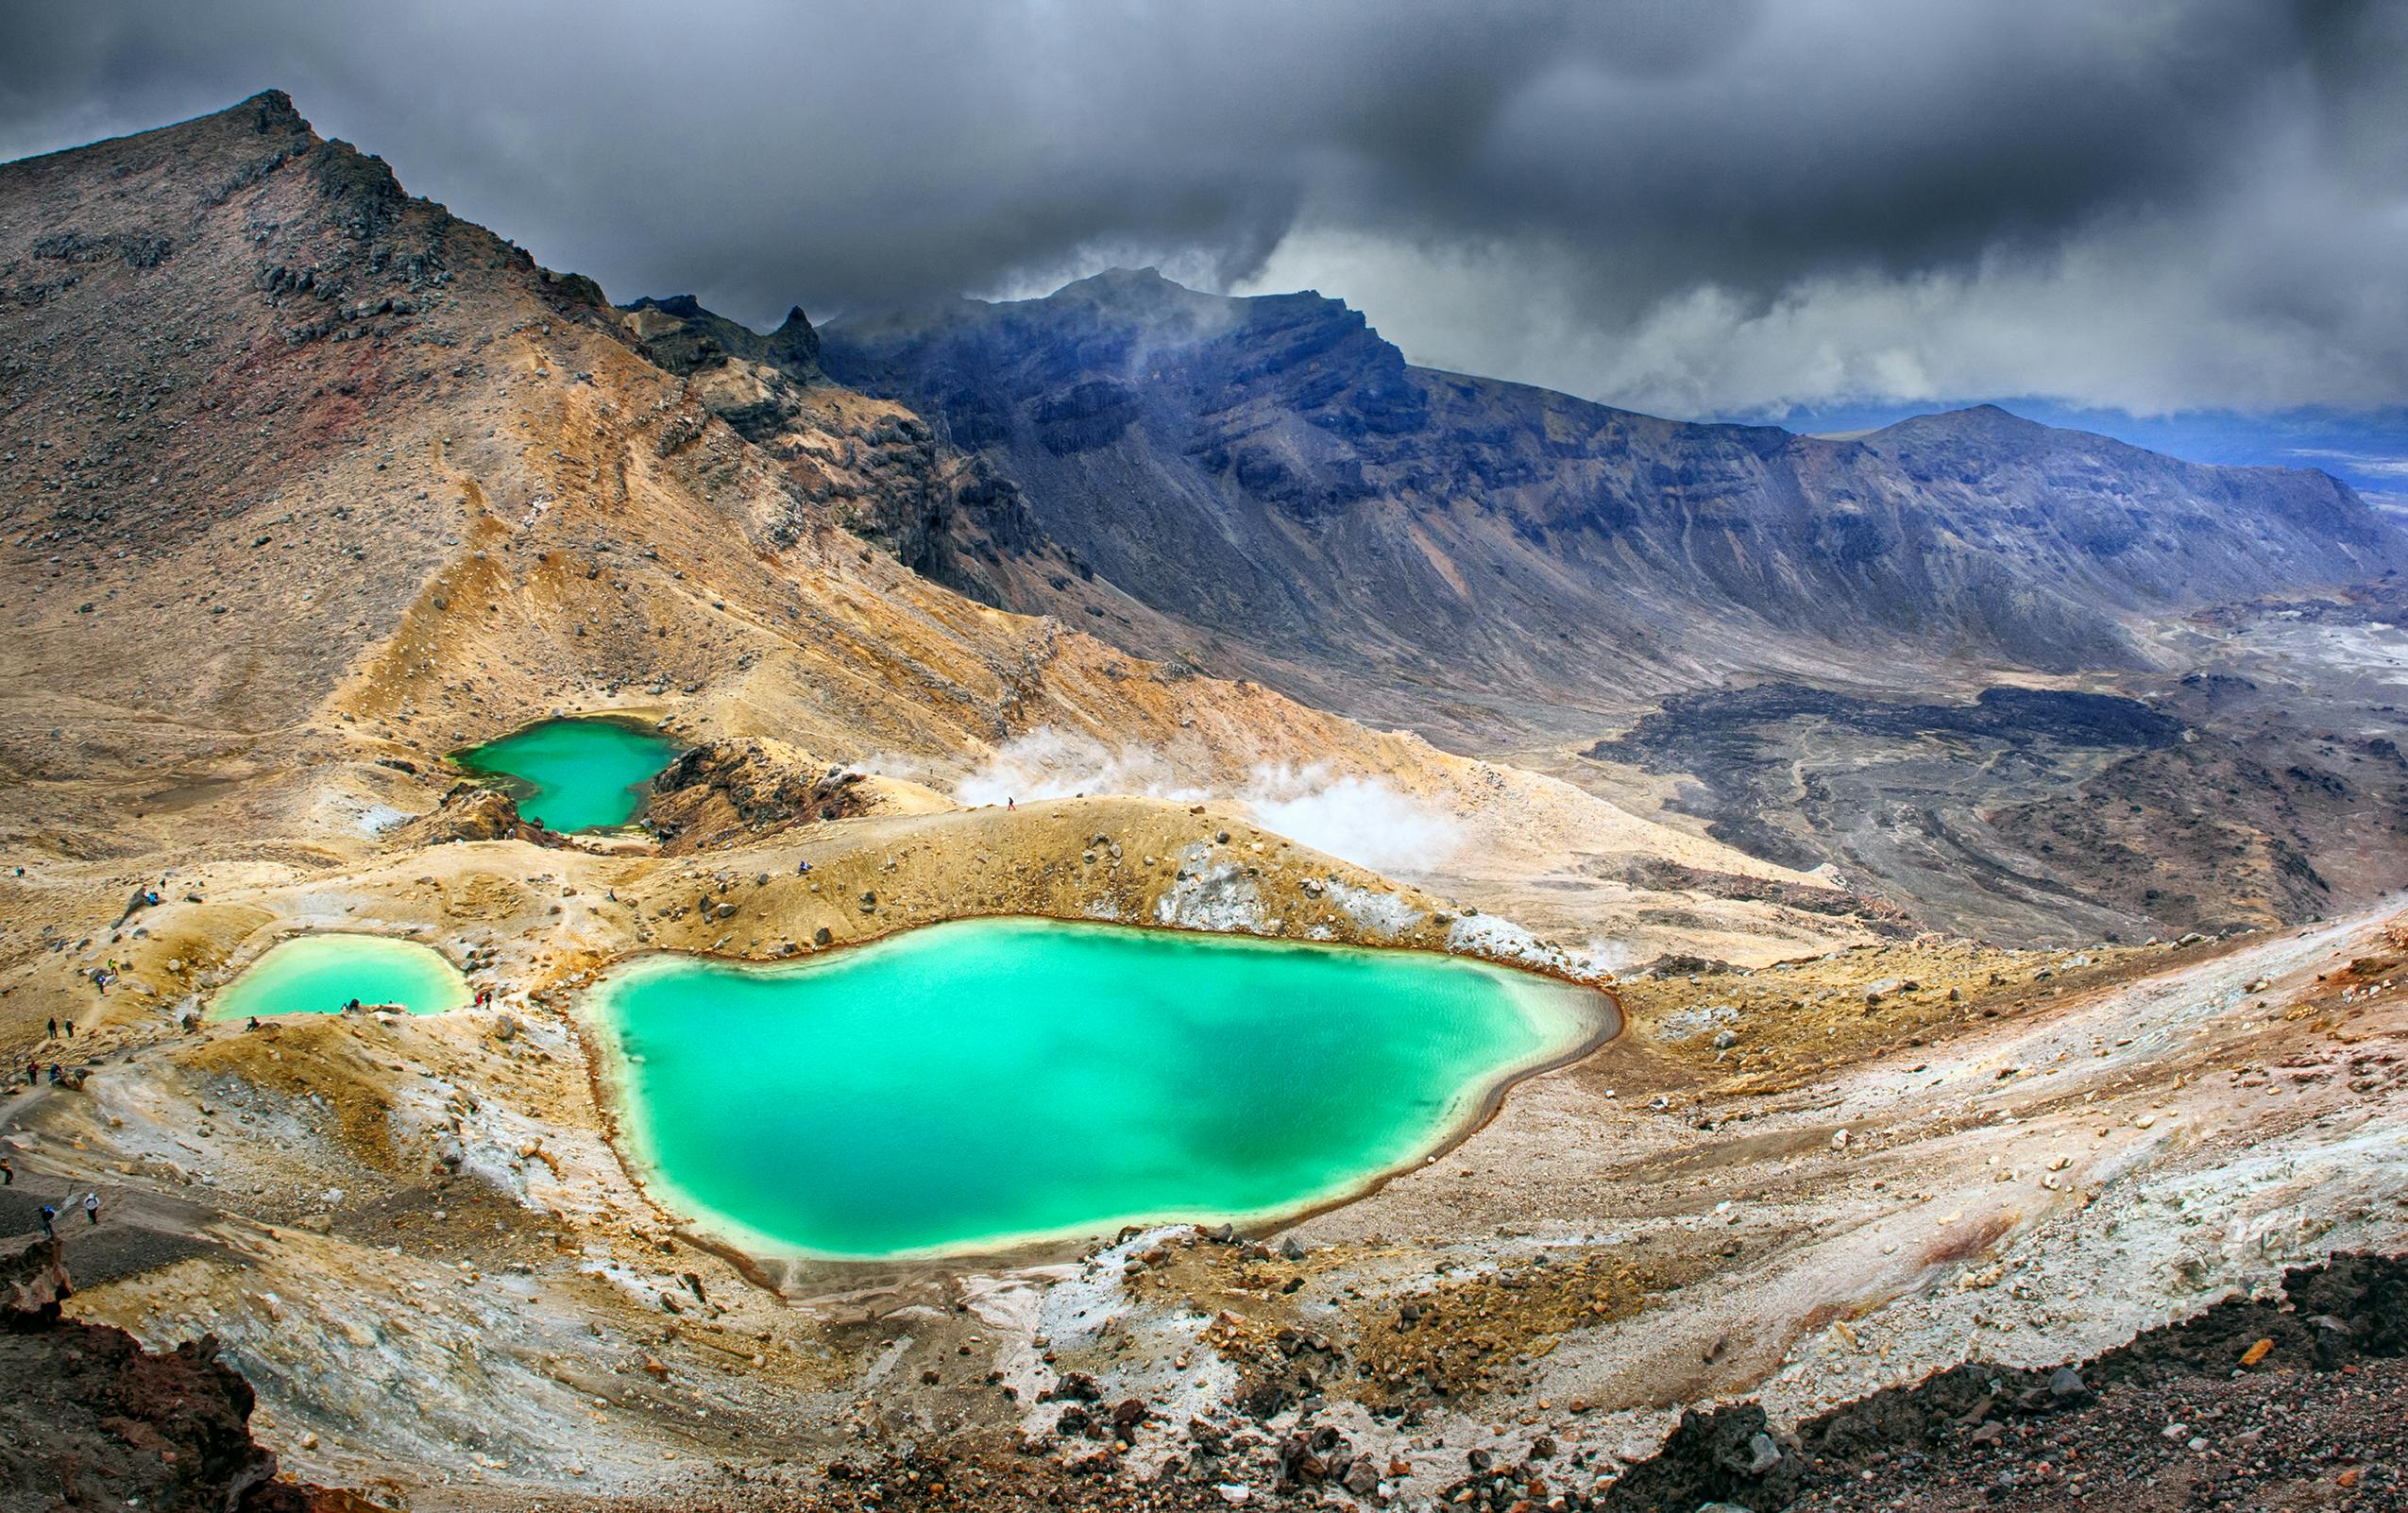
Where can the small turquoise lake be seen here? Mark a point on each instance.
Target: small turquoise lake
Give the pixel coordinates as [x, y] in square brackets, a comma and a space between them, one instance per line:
[588, 773]
[319, 973]
[985, 1084]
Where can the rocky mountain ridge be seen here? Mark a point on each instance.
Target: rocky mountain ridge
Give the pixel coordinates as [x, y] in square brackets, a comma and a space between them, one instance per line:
[1272, 477]
[321, 483]
[304, 473]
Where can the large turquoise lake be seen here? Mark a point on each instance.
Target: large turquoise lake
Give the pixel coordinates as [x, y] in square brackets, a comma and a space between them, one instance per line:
[575, 775]
[985, 1082]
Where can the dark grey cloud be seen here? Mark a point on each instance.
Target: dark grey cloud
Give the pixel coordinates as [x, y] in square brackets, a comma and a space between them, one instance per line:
[1689, 205]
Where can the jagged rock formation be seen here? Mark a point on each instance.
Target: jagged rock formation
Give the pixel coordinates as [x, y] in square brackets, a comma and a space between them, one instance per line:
[1275, 478]
[873, 461]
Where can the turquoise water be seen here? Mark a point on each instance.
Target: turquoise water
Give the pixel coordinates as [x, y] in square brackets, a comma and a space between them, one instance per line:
[575, 775]
[319, 973]
[995, 1081]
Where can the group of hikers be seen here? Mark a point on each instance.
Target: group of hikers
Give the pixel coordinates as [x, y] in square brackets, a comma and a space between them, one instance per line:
[58, 1029]
[50, 1210]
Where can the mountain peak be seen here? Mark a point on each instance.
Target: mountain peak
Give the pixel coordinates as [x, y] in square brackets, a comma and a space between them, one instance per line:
[1972, 420]
[271, 110]
[1148, 276]
[1992, 414]
[1127, 289]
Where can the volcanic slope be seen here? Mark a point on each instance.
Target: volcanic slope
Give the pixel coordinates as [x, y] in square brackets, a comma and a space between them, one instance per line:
[1487, 559]
[309, 481]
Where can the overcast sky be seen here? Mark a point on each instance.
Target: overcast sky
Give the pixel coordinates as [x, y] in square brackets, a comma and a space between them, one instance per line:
[1688, 206]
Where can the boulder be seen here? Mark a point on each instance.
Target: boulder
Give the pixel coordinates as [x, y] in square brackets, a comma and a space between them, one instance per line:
[33, 1283]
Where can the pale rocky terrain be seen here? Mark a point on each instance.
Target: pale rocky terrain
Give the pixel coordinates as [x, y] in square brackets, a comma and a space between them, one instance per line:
[308, 484]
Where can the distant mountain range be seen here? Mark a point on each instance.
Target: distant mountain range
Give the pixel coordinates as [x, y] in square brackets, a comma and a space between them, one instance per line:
[1269, 485]
[2366, 448]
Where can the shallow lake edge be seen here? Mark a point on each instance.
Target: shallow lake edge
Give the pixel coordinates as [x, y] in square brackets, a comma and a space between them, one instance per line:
[771, 1266]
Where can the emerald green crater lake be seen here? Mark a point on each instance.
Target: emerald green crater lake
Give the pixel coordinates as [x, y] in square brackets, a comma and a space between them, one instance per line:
[319, 973]
[985, 1084]
[574, 774]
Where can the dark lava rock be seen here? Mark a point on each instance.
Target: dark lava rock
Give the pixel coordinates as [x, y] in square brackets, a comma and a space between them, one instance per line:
[90, 1419]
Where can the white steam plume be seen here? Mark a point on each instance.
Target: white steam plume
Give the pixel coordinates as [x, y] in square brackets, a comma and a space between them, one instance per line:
[1361, 820]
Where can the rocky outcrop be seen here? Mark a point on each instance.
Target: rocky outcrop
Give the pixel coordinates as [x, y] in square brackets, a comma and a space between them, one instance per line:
[683, 337]
[1275, 478]
[89, 1419]
[1973, 1425]
[734, 788]
[33, 1284]
[470, 811]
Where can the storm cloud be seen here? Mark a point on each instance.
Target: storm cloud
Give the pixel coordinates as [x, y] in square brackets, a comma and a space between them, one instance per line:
[1688, 206]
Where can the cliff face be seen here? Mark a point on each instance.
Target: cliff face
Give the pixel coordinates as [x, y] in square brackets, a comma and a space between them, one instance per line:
[1274, 476]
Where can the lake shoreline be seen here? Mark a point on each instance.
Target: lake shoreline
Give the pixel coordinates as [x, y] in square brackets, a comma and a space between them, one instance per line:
[1593, 1018]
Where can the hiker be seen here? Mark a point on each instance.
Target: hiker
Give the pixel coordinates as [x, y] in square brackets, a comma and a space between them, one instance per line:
[54, 1026]
[91, 1208]
[1009, 805]
[55, 1073]
[8, 1173]
[71, 1030]
[48, 1215]
[253, 1024]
